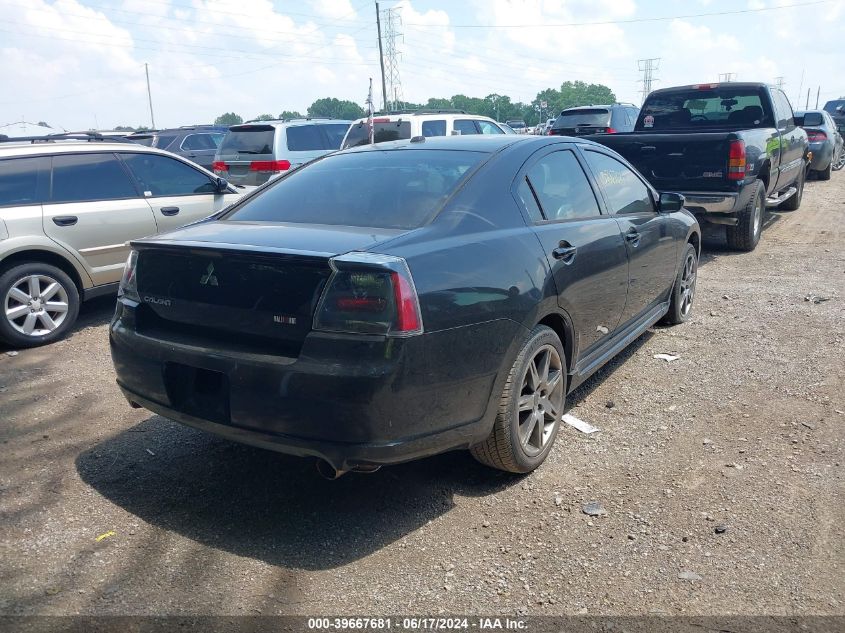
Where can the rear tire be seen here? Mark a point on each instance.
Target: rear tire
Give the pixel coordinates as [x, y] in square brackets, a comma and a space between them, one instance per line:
[531, 406]
[39, 304]
[746, 234]
[683, 291]
[792, 204]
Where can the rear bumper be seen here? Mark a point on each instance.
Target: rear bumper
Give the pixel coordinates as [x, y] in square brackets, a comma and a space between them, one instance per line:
[711, 202]
[350, 400]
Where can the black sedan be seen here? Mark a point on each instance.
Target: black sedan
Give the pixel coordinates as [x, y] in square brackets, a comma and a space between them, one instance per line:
[398, 300]
[826, 142]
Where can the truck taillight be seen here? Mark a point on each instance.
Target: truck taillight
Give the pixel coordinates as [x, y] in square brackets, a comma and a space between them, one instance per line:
[369, 293]
[816, 136]
[736, 160]
[269, 165]
[219, 165]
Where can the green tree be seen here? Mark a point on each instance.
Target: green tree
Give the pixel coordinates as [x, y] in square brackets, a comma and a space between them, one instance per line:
[290, 114]
[335, 109]
[264, 117]
[124, 128]
[229, 118]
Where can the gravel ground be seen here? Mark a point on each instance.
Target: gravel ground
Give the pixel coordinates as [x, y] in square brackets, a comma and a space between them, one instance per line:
[721, 475]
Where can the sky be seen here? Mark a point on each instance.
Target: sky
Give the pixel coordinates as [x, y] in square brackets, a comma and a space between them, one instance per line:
[80, 64]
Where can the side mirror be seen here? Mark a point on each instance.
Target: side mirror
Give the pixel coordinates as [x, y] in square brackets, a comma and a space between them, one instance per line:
[221, 185]
[670, 202]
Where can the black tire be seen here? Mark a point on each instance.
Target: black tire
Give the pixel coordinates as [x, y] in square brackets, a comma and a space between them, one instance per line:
[792, 204]
[505, 449]
[683, 290]
[824, 174]
[63, 319]
[746, 234]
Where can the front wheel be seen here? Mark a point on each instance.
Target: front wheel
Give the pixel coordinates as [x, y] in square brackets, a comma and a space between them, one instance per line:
[531, 407]
[39, 302]
[683, 292]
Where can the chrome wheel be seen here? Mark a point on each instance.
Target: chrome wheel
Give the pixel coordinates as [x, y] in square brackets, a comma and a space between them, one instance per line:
[688, 277]
[840, 163]
[758, 217]
[540, 400]
[36, 305]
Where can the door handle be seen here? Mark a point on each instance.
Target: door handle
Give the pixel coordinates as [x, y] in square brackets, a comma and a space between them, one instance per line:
[65, 220]
[565, 252]
[169, 211]
[633, 237]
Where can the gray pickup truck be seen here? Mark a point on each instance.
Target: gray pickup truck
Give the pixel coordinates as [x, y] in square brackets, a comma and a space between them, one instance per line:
[732, 149]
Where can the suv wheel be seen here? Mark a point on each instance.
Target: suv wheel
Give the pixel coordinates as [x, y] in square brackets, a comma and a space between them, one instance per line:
[531, 407]
[40, 304]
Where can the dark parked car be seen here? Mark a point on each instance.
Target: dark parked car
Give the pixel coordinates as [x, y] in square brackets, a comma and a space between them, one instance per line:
[733, 149]
[836, 109]
[397, 300]
[825, 142]
[595, 119]
[197, 143]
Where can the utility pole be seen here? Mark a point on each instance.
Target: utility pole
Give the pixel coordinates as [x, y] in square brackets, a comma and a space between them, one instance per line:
[392, 24]
[807, 103]
[779, 82]
[818, 92]
[381, 60]
[647, 67]
[726, 77]
[800, 88]
[149, 94]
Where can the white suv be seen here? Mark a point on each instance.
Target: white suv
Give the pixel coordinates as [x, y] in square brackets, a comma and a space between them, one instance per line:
[67, 210]
[406, 125]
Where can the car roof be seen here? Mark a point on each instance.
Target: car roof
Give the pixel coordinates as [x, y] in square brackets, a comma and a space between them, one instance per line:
[11, 149]
[488, 143]
[289, 123]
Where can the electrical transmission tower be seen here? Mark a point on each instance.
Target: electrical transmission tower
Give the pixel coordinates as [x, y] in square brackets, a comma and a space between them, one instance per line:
[647, 68]
[779, 82]
[727, 77]
[392, 24]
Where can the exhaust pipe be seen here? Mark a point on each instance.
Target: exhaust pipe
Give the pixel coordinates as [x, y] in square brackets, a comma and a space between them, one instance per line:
[327, 471]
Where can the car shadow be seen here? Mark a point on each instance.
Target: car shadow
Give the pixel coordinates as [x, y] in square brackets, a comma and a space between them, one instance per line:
[714, 244]
[268, 506]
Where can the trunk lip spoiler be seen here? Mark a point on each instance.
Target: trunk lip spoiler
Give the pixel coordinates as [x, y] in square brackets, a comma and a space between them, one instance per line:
[230, 248]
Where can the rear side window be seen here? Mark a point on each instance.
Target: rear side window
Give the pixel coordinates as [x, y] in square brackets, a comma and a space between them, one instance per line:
[163, 141]
[561, 187]
[304, 138]
[784, 109]
[81, 177]
[249, 140]
[434, 128]
[465, 126]
[383, 131]
[583, 117]
[624, 191]
[334, 134]
[199, 142]
[165, 176]
[146, 141]
[19, 181]
[392, 189]
[721, 107]
[489, 128]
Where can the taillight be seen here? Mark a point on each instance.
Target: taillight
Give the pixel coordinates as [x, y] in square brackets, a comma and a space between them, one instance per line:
[219, 165]
[705, 86]
[610, 130]
[269, 165]
[815, 136]
[129, 282]
[736, 160]
[369, 293]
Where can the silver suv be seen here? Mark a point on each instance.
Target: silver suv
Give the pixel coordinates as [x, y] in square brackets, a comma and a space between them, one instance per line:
[68, 209]
[428, 123]
[254, 152]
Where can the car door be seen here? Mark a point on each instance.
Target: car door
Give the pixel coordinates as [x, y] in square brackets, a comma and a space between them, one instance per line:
[93, 210]
[464, 126]
[584, 247]
[199, 148]
[792, 143]
[648, 240]
[488, 127]
[177, 192]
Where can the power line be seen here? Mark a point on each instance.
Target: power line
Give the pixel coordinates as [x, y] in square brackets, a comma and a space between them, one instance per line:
[629, 21]
[647, 67]
[779, 82]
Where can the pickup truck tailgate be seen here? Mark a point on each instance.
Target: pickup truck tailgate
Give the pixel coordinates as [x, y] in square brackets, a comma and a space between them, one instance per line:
[676, 162]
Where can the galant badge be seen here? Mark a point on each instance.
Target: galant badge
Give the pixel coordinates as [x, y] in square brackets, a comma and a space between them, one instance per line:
[209, 278]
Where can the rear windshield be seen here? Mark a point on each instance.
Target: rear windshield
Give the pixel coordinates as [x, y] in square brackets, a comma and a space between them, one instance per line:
[254, 140]
[831, 106]
[723, 107]
[143, 140]
[591, 117]
[391, 189]
[516, 125]
[382, 132]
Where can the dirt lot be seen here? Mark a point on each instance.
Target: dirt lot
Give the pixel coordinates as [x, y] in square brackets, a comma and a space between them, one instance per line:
[745, 430]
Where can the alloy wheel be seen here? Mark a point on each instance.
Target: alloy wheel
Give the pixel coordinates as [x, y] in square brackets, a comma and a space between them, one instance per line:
[688, 277]
[541, 400]
[36, 305]
[758, 216]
